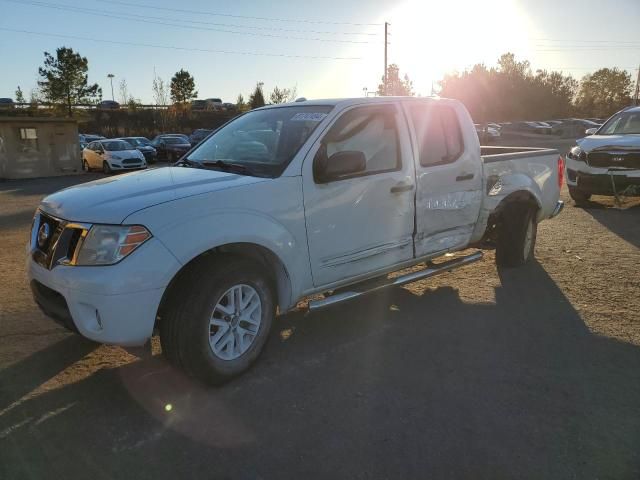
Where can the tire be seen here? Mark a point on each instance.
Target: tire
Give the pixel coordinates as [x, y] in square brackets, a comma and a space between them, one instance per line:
[106, 168]
[196, 332]
[516, 236]
[578, 196]
[85, 166]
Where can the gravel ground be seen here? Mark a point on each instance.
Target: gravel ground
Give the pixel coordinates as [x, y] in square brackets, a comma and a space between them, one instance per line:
[527, 373]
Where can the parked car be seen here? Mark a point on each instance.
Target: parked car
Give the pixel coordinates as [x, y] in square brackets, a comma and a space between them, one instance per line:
[198, 135]
[108, 105]
[607, 162]
[527, 127]
[573, 127]
[144, 146]
[278, 205]
[89, 137]
[230, 107]
[487, 134]
[171, 147]
[112, 156]
[6, 104]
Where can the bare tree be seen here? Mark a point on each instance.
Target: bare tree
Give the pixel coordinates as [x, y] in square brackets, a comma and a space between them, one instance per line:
[124, 92]
[160, 91]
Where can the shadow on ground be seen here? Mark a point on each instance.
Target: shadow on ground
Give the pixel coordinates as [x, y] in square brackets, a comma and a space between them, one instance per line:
[399, 385]
[623, 222]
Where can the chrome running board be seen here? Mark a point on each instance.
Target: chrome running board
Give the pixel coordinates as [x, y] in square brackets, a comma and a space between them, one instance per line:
[431, 271]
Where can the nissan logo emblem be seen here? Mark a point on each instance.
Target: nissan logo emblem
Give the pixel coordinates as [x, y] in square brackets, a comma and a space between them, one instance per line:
[43, 235]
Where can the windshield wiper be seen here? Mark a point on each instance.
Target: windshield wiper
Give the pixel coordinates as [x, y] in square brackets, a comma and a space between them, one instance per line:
[185, 162]
[238, 167]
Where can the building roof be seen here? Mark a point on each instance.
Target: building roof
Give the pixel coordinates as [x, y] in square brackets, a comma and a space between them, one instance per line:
[31, 120]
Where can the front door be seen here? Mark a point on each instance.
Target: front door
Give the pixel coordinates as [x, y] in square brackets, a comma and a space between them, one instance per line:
[363, 222]
[448, 176]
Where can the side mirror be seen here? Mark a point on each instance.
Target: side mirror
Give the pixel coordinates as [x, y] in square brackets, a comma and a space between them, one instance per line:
[338, 165]
[590, 131]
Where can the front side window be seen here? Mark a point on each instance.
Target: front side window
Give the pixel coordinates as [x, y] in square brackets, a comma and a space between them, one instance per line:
[261, 141]
[438, 133]
[370, 130]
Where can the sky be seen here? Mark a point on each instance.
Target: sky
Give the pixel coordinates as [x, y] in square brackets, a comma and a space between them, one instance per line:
[326, 49]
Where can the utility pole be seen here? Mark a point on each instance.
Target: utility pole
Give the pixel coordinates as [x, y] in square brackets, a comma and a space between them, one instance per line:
[637, 94]
[110, 77]
[386, 33]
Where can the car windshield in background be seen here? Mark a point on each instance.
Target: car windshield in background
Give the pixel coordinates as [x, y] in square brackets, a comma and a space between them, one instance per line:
[175, 140]
[264, 140]
[138, 142]
[116, 145]
[622, 124]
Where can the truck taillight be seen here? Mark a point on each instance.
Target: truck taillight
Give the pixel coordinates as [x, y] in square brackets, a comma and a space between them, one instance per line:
[560, 171]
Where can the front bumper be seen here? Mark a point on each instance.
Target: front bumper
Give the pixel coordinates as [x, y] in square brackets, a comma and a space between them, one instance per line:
[114, 304]
[601, 181]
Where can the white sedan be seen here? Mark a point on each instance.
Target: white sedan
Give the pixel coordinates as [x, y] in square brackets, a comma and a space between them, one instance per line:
[112, 156]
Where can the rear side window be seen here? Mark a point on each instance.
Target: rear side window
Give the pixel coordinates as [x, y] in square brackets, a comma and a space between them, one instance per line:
[438, 133]
[370, 130]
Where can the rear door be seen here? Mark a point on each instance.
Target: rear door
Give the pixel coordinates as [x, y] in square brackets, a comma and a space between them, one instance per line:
[364, 222]
[448, 175]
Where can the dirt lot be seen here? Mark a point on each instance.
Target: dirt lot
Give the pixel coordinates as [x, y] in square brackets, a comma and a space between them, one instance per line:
[529, 373]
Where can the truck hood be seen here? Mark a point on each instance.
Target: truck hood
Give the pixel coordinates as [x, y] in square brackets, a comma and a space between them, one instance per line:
[112, 199]
[610, 142]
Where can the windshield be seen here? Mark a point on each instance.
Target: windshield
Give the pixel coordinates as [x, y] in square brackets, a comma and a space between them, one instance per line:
[266, 139]
[622, 124]
[116, 145]
[174, 140]
[138, 142]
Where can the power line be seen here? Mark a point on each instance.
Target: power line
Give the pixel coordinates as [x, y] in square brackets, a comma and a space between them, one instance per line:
[199, 22]
[171, 47]
[142, 20]
[248, 17]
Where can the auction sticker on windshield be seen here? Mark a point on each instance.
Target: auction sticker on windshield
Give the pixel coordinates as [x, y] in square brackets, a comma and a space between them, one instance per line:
[308, 117]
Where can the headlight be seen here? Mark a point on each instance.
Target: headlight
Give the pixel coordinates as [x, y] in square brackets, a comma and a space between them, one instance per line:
[108, 244]
[576, 153]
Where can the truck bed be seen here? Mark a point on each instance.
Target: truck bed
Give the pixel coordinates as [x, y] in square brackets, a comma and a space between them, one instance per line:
[497, 154]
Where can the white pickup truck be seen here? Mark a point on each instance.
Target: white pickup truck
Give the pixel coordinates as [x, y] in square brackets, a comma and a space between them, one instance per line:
[281, 203]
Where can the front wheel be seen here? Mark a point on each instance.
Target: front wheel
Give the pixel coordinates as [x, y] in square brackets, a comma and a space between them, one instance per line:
[85, 166]
[517, 235]
[106, 168]
[218, 319]
[578, 196]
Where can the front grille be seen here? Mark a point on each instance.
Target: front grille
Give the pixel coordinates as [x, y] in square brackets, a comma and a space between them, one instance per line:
[54, 241]
[129, 161]
[630, 160]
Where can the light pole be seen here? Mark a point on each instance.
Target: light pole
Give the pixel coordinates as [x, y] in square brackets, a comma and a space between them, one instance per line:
[110, 77]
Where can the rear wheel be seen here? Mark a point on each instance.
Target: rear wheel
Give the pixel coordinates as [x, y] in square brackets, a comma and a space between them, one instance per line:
[218, 319]
[579, 197]
[516, 236]
[106, 168]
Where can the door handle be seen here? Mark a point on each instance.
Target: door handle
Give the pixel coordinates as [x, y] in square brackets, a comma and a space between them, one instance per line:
[402, 187]
[464, 176]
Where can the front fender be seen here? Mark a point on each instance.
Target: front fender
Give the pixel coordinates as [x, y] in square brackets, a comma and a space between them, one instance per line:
[268, 214]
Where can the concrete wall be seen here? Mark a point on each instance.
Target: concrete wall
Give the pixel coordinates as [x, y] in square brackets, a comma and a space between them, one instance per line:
[38, 147]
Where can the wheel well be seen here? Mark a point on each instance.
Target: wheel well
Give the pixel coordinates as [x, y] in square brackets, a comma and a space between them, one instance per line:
[521, 197]
[273, 267]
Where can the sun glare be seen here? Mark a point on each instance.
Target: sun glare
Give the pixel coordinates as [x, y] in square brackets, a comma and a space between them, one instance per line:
[430, 38]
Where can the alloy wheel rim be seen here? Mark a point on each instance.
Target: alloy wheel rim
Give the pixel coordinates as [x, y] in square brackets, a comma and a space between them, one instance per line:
[235, 322]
